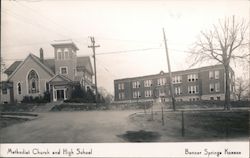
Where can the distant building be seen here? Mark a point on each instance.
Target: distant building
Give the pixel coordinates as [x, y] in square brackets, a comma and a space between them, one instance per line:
[35, 75]
[206, 83]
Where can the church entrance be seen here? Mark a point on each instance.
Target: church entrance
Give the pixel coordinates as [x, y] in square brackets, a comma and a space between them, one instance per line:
[60, 88]
[60, 95]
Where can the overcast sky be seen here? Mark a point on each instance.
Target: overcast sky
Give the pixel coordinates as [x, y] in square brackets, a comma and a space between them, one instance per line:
[129, 32]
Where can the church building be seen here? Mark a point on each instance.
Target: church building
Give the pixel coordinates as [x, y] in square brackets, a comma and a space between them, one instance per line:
[36, 75]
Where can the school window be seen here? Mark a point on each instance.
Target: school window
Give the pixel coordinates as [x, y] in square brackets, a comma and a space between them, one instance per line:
[121, 95]
[211, 75]
[218, 98]
[216, 74]
[217, 87]
[161, 81]
[121, 86]
[211, 87]
[64, 70]
[147, 83]
[136, 94]
[136, 84]
[193, 89]
[179, 100]
[161, 92]
[192, 77]
[148, 93]
[211, 98]
[177, 90]
[177, 79]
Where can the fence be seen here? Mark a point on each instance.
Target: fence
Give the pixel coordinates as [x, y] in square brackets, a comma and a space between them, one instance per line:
[200, 124]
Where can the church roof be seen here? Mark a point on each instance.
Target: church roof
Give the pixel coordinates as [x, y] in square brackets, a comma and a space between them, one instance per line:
[64, 43]
[12, 67]
[83, 61]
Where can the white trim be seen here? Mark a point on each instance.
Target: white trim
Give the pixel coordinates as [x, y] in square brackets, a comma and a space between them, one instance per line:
[59, 89]
[27, 83]
[53, 91]
[38, 62]
[17, 88]
[62, 77]
[61, 70]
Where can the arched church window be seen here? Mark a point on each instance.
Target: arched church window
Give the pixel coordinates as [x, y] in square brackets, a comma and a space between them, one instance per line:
[33, 84]
[19, 88]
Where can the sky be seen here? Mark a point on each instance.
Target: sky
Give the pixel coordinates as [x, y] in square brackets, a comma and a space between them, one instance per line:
[129, 33]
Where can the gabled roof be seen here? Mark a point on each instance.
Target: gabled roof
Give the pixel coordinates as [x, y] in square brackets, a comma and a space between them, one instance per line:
[37, 60]
[50, 63]
[12, 67]
[84, 61]
[59, 76]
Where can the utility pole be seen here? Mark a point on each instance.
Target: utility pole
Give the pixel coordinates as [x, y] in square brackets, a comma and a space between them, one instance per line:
[169, 70]
[93, 46]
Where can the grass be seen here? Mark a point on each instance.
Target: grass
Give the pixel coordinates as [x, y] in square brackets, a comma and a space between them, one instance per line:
[10, 118]
[17, 114]
[140, 136]
[22, 107]
[198, 125]
[8, 121]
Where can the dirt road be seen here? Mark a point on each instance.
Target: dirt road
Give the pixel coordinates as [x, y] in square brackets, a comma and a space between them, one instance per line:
[70, 127]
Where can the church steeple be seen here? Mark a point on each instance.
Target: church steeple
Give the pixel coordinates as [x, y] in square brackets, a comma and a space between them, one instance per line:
[65, 58]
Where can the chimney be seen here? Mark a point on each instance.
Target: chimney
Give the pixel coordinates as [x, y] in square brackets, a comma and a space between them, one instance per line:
[41, 55]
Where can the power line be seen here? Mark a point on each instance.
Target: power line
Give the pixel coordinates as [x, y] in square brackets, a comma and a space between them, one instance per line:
[127, 51]
[122, 52]
[28, 21]
[45, 17]
[105, 68]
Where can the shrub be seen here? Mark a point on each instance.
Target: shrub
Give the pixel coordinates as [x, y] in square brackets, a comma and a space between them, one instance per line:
[38, 99]
[80, 95]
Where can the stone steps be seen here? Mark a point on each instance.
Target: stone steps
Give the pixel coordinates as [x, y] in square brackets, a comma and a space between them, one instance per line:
[47, 107]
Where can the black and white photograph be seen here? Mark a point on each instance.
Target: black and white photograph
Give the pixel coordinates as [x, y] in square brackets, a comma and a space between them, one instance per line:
[124, 72]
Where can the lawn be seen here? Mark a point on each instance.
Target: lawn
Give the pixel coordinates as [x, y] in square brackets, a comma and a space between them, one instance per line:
[8, 121]
[10, 118]
[196, 125]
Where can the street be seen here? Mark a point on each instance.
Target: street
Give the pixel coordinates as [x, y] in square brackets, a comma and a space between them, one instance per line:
[70, 127]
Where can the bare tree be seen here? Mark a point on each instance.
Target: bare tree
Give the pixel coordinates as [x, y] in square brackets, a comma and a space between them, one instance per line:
[224, 43]
[241, 88]
[106, 95]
